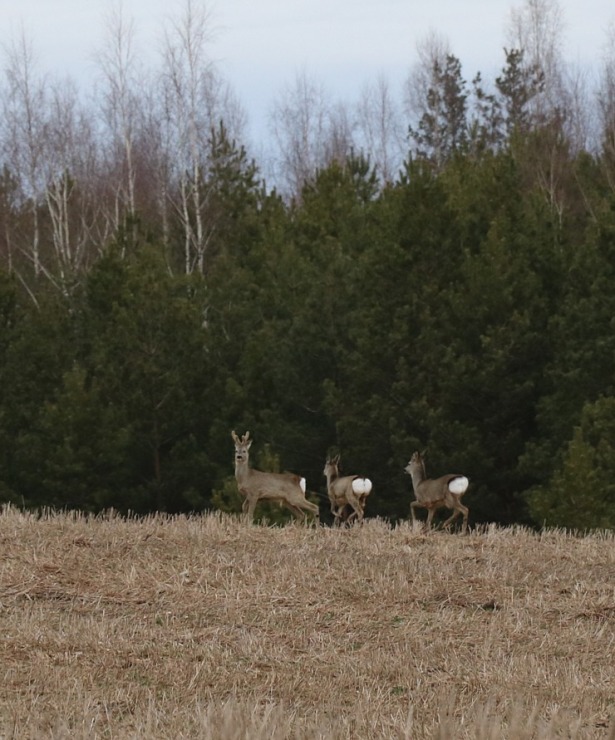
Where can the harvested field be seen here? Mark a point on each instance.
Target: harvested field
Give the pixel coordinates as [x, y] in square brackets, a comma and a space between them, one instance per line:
[209, 627]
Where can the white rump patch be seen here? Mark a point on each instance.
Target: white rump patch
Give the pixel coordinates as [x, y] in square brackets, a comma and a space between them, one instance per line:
[361, 486]
[459, 485]
[302, 484]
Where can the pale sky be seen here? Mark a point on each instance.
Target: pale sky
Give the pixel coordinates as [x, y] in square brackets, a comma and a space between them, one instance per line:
[261, 45]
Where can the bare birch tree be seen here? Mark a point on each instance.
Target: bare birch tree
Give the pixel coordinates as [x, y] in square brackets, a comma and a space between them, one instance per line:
[49, 149]
[24, 110]
[158, 138]
[559, 110]
[195, 100]
[186, 66]
[380, 129]
[120, 108]
[606, 108]
[339, 141]
[300, 126]
[432, 51]
[536, 28]
[71, 169]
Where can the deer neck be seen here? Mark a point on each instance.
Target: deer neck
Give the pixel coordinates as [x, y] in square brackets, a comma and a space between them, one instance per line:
[332, 476]
[242, 471]
[417, 476]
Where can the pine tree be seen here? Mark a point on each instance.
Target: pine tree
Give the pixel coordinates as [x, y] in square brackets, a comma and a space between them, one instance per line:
[443, 128]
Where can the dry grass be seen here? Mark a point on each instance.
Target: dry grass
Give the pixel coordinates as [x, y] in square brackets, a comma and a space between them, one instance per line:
[212, 628]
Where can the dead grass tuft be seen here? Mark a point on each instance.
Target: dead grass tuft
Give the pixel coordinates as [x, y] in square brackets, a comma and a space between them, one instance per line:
[175, 627]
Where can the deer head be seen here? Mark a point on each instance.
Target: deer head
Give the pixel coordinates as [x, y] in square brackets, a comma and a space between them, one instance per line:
[417, 462]
[241, 447]
[332, 466]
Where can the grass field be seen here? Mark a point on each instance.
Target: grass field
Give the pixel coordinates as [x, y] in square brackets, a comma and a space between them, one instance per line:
[208, 627]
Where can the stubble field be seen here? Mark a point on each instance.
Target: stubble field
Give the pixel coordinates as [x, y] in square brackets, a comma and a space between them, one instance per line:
[209, 627]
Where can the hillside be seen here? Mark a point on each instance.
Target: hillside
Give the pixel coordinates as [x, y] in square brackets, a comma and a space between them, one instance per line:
[211, 628]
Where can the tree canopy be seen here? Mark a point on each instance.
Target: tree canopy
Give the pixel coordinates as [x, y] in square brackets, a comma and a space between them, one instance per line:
[162, 293]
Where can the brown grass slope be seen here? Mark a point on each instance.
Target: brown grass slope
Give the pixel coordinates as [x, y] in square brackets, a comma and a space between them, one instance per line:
[213, 628]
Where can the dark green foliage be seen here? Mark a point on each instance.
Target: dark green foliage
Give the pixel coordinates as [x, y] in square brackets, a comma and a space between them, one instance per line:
[442, 130]
[107, 397]
[581, 493]
[148, 372]
[39, 348]
[466, 308]
[517, 86]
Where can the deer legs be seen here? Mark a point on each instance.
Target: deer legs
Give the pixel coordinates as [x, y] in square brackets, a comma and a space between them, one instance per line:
[430, 513]
[295, 511]
[298, 509]
[459, 509]
[248, 506]
[357, 510]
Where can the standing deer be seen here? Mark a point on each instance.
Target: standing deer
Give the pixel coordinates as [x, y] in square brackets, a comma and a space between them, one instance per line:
[436, 494]
[286, 489]
[350, 490]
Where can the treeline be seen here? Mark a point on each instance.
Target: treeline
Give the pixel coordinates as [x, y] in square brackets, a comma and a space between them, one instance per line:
[155, 294]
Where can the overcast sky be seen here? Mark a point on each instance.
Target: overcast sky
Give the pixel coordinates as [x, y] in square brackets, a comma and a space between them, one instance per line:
[261, 45]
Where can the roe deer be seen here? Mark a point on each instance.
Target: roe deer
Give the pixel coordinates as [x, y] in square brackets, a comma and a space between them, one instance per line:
[286, 489]
[351, 489]
[435, 494]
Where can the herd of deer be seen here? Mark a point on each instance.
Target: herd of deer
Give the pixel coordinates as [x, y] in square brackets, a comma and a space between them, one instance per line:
[350, 491]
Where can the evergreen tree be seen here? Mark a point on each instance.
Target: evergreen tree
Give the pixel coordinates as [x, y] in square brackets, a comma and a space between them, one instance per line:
[109, 399]
[443, 128]
[581, 334]
[581, 493]
[148, 374]
[8, 318]
[40, 349]
[517, 86]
